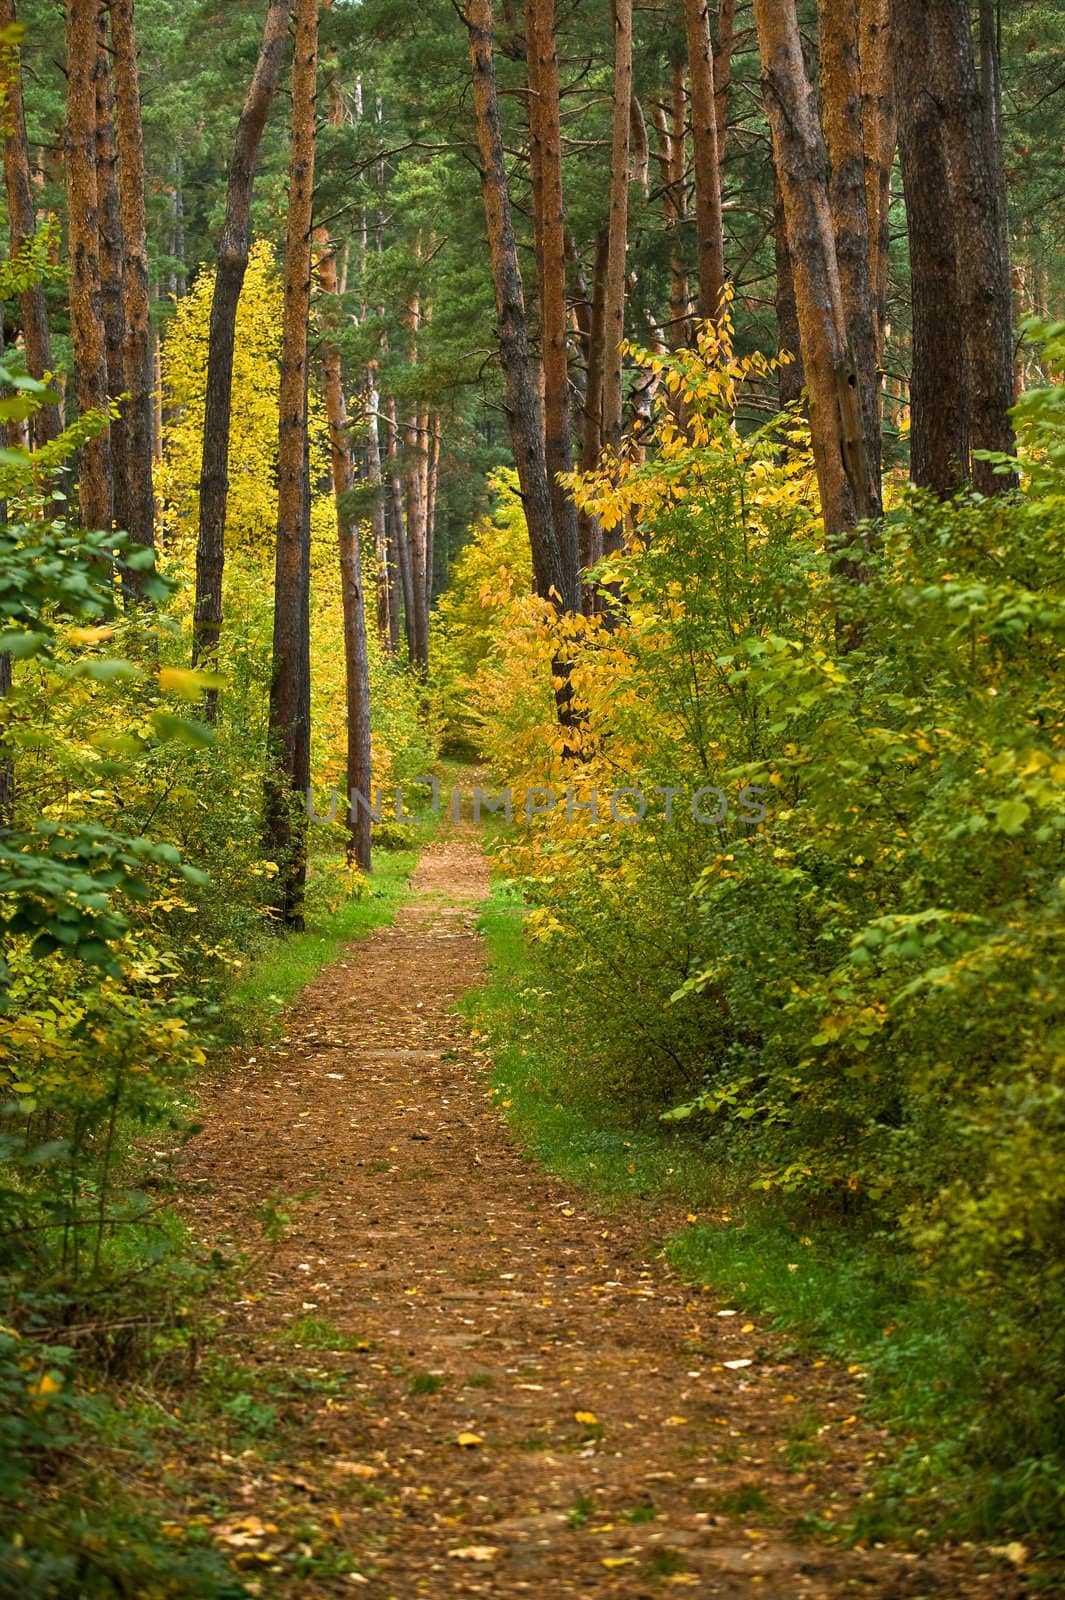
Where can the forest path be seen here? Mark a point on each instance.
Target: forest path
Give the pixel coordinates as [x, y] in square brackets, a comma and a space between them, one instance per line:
[485, 1383]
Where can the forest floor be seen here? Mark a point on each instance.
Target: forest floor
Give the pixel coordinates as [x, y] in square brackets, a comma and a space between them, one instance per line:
[450, 1374]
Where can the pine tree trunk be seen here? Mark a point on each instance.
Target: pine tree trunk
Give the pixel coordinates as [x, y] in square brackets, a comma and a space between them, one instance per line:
[432, 480]
[802, 167]
[112, 302]
[359, 771]
[589, 528]
[879, 131]
[384, 577]
[726, 41]
[939, 413]
[233, 248]
[549, 228]
[289, 689]
[618, 237]
[708, 229]
[973, 150]
[792, 378]
[139, 491]
[398, 513]
[22, 219]
[86, 318]
[553, 577]
[671, 166]
[841, 102]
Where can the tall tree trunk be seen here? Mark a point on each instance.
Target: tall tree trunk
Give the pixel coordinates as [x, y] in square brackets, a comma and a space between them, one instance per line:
[841, 101]
[973, 151]
[398, 517]
[879, 132]
[384, 576]
[549, 226]
[86, 318]
[290, 731]
[137, 412]
[708, 229]
[22, 219]
[802, 167]
[359, 770]
[111, 256]
[671, 167]
[589, 527]
[618, 235]
[792, 378]
[939, 411]
[726, 42]
[233, 248]
[432, 480]
[553, 577]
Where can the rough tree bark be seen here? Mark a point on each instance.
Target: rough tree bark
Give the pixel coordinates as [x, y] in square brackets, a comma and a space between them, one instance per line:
[802, 167]
[233, 247]
[549, 226]
[290, 730]
[792, 378]
[618, 234]
[137, 411]
[553, 577]
[112, 300]
[86, 319]
[707, 171]
[939, 412]
[22, 219]
[973, 152]
[879, 132]
[841, 109]
[671, 167]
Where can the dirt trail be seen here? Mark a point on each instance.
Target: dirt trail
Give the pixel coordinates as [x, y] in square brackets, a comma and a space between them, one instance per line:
[610, 1449]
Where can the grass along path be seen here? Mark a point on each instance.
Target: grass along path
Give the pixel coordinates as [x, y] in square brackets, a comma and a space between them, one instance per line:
[446, 1372]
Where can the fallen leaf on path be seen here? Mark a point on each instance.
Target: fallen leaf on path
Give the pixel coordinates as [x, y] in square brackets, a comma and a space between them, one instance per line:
[474, 1552]
[619, 1561]
[589, 1418]
[356, 1469]
[734, 1365]
[468, 1441]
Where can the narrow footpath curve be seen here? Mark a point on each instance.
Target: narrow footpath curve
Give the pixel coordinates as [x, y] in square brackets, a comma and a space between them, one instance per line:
[525, 1399]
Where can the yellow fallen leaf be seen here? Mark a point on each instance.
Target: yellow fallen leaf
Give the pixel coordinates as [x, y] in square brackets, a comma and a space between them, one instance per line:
[468, 1441]
[619, 1561]
[1014, 1552]
[355, 1469]
[677, 1422]
[474, 1552]
[589, 1418]
[748, 1327]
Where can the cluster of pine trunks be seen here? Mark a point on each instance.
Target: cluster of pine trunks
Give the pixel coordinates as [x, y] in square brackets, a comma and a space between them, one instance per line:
[894, 75]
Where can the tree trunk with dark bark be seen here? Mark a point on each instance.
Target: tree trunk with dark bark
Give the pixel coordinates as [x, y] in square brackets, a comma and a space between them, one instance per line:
[802, 167]
[939, 412]
[973, 150]
[549, 226]
[233, 248]
[290, 731]
[841, 110]
[553, 578]
[112, 299]
[137, 412]
[708, 229]
[617, 235]
[86, 317]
